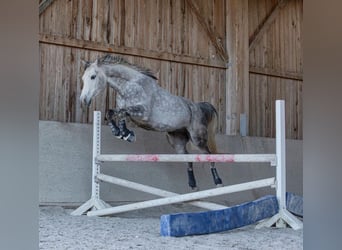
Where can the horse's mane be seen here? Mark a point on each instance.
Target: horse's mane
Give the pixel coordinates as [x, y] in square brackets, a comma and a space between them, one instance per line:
[109, 59]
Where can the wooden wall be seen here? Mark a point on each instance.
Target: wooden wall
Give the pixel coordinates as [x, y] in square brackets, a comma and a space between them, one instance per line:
[276, 67]
[183, 42]
[161, 35]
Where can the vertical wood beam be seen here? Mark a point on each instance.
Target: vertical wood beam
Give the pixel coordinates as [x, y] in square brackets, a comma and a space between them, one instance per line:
[237, 74]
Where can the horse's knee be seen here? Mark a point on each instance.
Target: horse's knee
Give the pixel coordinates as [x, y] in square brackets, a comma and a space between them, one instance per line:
[110, 114]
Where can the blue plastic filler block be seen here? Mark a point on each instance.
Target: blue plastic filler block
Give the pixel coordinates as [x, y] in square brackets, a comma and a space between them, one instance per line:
[184, 224]
[294, 204]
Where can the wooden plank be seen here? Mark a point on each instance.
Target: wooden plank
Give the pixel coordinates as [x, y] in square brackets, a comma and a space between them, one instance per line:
[109, 48]
[212, 35]
[276, 73]
[87, 19]
[265, 24]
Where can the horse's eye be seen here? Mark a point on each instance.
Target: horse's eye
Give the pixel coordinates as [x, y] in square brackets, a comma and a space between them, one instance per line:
[93, 77]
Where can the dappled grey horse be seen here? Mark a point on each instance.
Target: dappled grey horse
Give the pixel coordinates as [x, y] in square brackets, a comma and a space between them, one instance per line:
[151, 107]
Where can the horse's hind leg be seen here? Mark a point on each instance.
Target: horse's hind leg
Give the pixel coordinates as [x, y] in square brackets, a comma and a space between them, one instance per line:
[216, 177]
[200, 140]
[178, 141]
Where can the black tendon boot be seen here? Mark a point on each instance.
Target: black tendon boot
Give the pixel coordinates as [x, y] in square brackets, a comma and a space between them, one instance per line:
[115, 129]
[126, 134]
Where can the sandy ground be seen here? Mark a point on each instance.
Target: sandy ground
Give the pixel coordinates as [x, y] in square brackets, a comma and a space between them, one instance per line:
[140, 230]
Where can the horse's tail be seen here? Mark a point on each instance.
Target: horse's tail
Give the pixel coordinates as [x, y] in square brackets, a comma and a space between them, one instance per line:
[212, 118]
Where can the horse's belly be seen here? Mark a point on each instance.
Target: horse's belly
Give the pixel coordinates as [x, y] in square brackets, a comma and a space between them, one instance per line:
[169, 121]
[163, 123]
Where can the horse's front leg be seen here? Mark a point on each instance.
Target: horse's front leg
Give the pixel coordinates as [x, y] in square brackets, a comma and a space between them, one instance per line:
[119, 131]
[135, 112]
[115, 129]
[125, 133]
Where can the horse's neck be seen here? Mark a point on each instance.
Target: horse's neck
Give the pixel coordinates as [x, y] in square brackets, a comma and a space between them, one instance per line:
[119, 75]
[117, 83]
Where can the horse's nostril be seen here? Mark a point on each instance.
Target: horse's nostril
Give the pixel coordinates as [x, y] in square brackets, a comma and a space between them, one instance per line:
[87, 101]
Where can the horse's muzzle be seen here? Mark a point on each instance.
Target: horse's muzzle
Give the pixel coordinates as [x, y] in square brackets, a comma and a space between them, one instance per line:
[85, 102]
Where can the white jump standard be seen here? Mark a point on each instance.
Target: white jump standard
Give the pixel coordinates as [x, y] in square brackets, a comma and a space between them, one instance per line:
[99, 207]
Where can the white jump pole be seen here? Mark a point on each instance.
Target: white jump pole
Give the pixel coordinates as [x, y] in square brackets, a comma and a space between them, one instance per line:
[94, 202]
[226, 158]
[99, 207]
[185, 197]
[155, 191]
[283, 217]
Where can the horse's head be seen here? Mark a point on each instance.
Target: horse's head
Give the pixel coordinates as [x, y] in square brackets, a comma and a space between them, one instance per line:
[94, 81]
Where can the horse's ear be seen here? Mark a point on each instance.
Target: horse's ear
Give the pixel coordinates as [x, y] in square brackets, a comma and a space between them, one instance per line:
[97, 63]
[85, 64]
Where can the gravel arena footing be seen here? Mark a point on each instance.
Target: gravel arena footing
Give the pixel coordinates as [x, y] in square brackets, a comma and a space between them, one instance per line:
[141, 230]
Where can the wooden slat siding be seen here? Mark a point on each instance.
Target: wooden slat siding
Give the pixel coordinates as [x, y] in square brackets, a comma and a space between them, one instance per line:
[43, 5]
[218, 18]
[196, 84]
[72, 97]
[265, 24]
[278, 56]
[43, 85]
[221, 106]
[139, 17]
[173, 43]
[50, 77]
[103, 47]
[94, 18]
[87, 21]
[265, 90]
[200, 10]
[129, 14]
[178, 40]
[65, 74]
[94, 24]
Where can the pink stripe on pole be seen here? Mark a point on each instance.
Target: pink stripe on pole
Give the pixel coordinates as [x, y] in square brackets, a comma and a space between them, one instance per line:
[190, 158]
[145, 157]
[215, 158]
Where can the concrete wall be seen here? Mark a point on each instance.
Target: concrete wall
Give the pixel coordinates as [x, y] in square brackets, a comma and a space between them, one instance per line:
[65, 165]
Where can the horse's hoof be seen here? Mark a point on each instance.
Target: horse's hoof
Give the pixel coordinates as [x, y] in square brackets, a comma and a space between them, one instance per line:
[194, 189]
[219, 185]
[130, 137]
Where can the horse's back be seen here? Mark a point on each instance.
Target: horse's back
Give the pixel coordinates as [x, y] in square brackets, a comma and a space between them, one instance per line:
[167, 112]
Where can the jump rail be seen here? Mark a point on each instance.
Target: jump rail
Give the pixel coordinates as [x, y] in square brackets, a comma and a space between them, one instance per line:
[99, 207]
